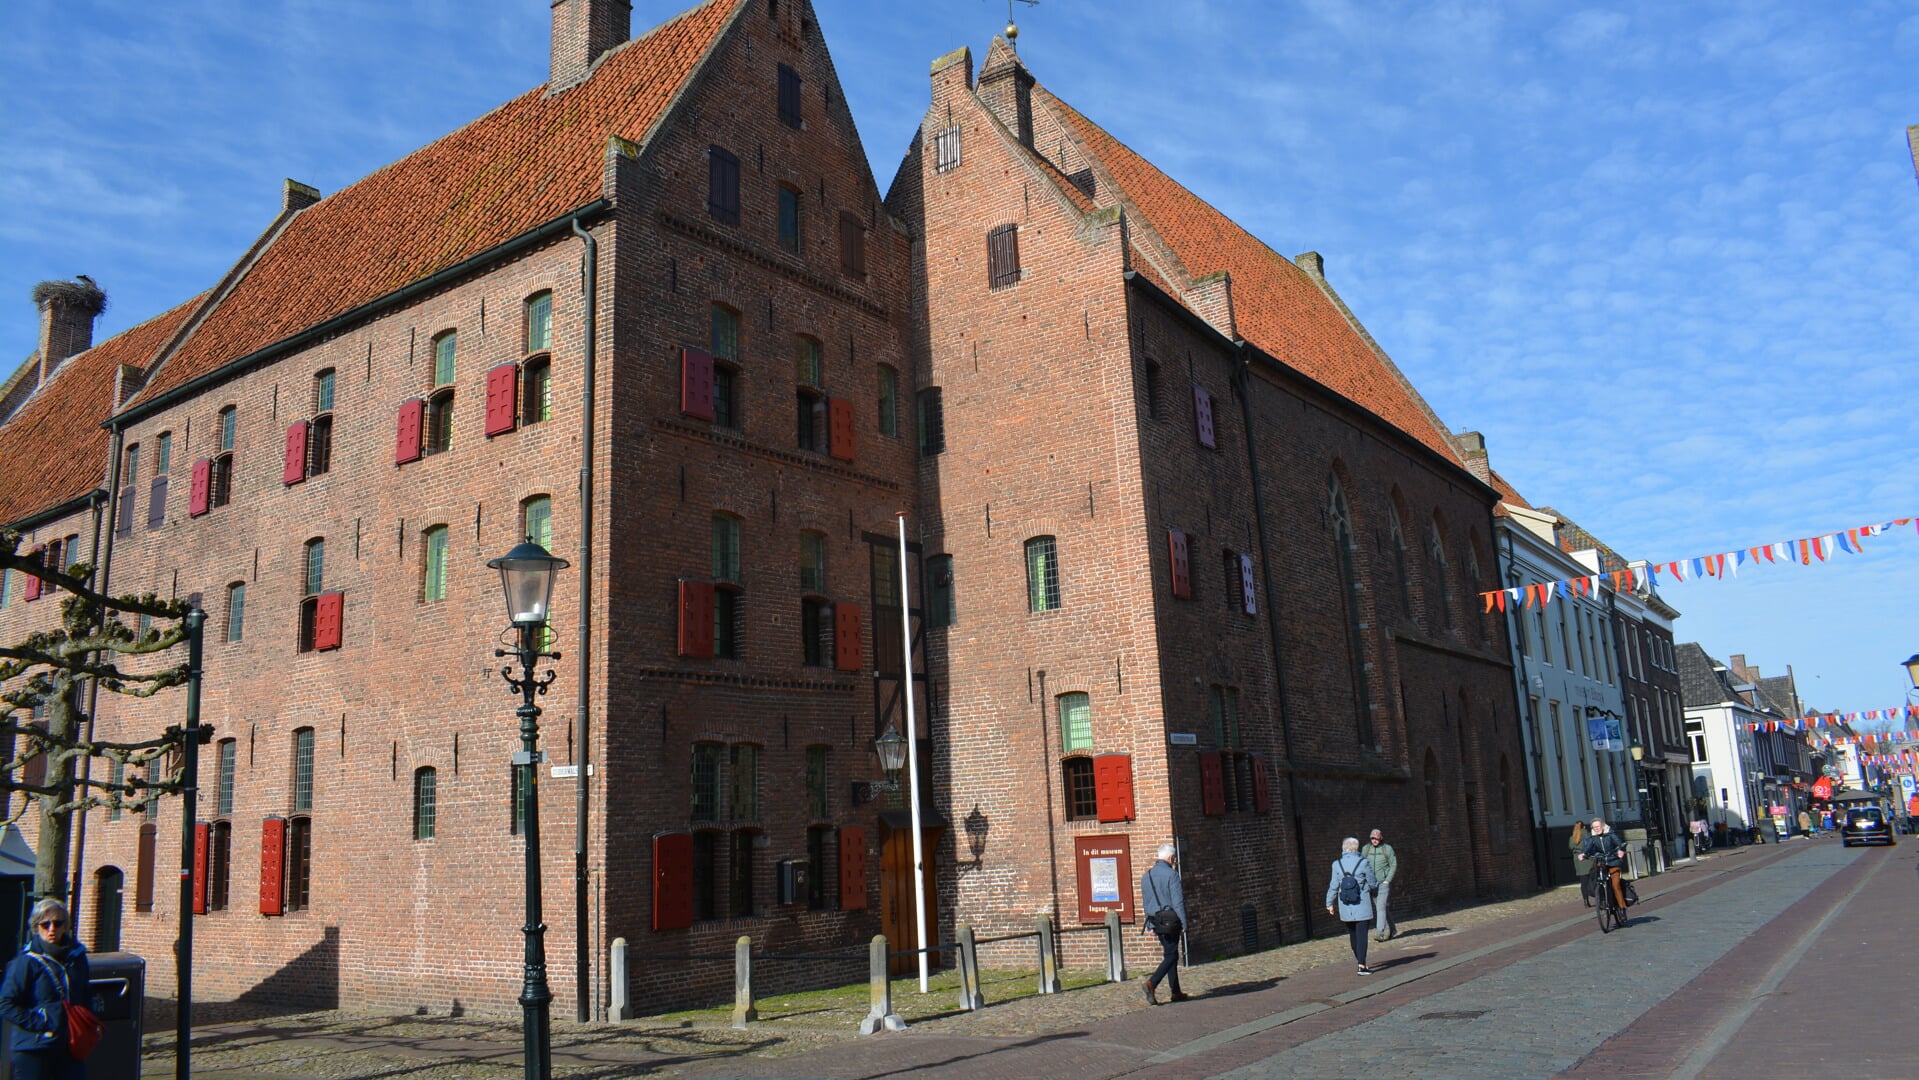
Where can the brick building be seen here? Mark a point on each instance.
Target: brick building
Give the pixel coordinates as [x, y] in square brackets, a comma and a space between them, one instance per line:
[1231, 602]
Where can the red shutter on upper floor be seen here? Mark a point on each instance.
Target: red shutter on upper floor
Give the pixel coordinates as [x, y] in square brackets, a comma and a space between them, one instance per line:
[852, 868]
[1262, 785]
[200, 868]
[1248, 595]
[1113, 787]
[1182, 567]
[32, 590]
[1212, 784]
[412, 425]
[1203, 415]
[696, 619]
[328, 609]
[198, 498]
[846, 636]
[273, 853]
[696, 384]
[839, 428]
[502, 398]
[673, 881]
[296, 461]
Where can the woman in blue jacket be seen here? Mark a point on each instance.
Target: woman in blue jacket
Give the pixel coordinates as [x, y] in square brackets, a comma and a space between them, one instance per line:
[1358, 913]
[35, 991]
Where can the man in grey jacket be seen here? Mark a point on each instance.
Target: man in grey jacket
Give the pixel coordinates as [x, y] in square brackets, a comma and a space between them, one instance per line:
[1159, 891]
[1385, 864]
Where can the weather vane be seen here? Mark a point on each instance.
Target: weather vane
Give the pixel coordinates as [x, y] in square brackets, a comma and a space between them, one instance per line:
[1012, 28]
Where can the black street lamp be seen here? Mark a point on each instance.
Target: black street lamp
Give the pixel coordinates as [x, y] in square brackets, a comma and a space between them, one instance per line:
[1912, 671]
[526, 573]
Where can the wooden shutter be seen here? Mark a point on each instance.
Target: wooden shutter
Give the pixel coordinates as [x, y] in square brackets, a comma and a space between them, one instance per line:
[1113, 787]
[502, 395]
[144, 867]
[1248, 595]
[696, 384]
[1203, 415]
[33, 586]
[852, 868]
[273, 854]
[839, 428]
[327, 611]
[123, 520]
[846, 636]
[156, 504]
[852, 244]
[295, 469]
[723, 185]
[200, 868]
[1182, 566]
[1212, 784]
[1262, 785]
[673, 881]
[1002, 257]
[198, 499]
[696, 620]
[412, 426]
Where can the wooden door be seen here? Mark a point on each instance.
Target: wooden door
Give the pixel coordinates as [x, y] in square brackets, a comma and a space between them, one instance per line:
[896, 894]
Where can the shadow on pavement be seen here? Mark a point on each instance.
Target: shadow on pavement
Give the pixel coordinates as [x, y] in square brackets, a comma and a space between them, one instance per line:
[1422, 930]
[1247, 987]
[1402, 961]
[1037, 1040]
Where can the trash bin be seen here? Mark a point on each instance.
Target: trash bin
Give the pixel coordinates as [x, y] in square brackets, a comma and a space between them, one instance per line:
[119, 997]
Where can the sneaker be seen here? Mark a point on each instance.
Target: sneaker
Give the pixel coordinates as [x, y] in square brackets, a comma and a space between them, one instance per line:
[1379, 937]
[1151, 998]
[1364, 970]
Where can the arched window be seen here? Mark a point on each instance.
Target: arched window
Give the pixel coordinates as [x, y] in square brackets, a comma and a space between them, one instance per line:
[1442, 578]
[1345, 554]
[1076, 763]
[320, 428]
[433, 572]
[220, 486]
[536, 371]
[725, 348]
[536, 520]
[1400, 574]
[426, 799]
[312, 583]
[1075, 723]
[1042, 574]
[539, 322]
[809, 375]
[109, 899]
[439, 404]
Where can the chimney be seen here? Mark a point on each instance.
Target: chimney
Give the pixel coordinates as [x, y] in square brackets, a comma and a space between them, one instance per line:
[1738, 664]
[1312, 263]
[1006, 89]
[583, 30]
[1472, 450]
[67, 311]
[297, 196]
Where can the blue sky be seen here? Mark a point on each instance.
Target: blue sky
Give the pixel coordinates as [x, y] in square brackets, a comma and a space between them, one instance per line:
[1665, 256]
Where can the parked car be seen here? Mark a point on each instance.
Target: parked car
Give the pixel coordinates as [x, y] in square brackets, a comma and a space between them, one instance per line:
[1866, 825]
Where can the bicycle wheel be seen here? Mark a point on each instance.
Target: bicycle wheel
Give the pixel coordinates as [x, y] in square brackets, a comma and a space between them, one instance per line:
[1603, 910]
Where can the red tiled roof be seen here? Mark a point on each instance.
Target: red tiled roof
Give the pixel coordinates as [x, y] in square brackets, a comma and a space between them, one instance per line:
[1276, 305]
[54, 448]
[1507, 492]
[525, 163]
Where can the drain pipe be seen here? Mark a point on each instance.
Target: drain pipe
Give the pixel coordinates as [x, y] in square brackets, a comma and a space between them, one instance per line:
[1242, 380]
[584, 1004]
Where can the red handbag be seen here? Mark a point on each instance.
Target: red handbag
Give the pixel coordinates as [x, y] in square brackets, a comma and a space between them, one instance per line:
[83, 1028]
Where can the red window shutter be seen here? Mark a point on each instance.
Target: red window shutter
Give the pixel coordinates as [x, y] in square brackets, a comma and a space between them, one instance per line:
[199, 498]
[34, 584]
[1113, 787]
[273, 853]
[200, 868]
[144, 862]
[673, 881]
[696, 384]
[502, 396]
[412, 425]
[1212, 784]
[1203, 414]
[852, 868]
[839, 428]
[296, 463]
[696, 621]
[1262, 785]
[327, 611]
[1248, 595]
[1182, 568]
[846, 636]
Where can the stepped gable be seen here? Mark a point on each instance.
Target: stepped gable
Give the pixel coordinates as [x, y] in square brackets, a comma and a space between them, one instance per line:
[54, 448]
[525, 163]
[1276, 305]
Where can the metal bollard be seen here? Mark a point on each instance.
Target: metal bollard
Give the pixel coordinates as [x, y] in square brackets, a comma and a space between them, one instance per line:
[743, 1010]
[1048, 959]
[880, 1017]
[617, 1009]
[1115, 949]
[969, 995]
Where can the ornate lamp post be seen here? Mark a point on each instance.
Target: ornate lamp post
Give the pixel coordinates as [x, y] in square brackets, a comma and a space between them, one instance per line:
[526, 573]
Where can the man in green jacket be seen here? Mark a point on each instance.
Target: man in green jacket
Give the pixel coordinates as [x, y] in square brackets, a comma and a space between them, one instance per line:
[1385, 865]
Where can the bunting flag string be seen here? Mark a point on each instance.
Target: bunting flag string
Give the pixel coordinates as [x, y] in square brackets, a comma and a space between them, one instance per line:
[1720, 565]
[1907, 716]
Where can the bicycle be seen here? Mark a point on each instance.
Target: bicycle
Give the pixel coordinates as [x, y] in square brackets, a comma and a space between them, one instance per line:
[1605, 907]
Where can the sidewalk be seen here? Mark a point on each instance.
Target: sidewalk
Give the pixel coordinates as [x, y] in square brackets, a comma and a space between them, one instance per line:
[1094, 1031]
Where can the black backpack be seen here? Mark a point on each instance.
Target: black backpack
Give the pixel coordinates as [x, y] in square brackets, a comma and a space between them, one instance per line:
[1349, 891]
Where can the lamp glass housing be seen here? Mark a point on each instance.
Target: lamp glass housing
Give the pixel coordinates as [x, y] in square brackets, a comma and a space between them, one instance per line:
[1912, 669]
[892, 750]
[526, 575]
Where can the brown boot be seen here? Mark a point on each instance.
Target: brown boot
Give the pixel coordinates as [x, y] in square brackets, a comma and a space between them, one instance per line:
[1151, 997]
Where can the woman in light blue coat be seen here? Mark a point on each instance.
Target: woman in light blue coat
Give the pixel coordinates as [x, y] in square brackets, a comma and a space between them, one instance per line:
[1358, 915]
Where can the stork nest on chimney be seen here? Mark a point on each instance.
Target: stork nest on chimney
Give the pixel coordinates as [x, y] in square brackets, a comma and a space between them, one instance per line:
[83, 294]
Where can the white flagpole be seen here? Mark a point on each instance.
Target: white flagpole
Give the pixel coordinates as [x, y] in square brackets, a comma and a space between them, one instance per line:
[912, 759]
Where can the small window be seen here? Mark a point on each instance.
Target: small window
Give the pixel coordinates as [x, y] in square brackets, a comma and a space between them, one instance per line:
[807, 368]
[889, 401]
[852, 245]
[789, 97]
[219, 865]
[131, 471]
[433, 584]
[323, 392]
[299, 863]
[816, 838]
[810, 420]
[536, 521]
[1082, 796]
[1042, 574]
[439, 422]
[229, 754]
[1075, 723]
[444, 347]
[320, 429]
[816, 632]
[932, 422]
[723, 185]
[725, 349]
[789, 219]
[1002, 256]
[740, 889]
[726, 548]
[220, 478]
[228, 421]
[303, 769]
[817, 808]
[729, 607]
[743, 774]
[536, 391]
[946, 150]
[539, 322]
[706, 875]
[236, 611]
[426, 785]
[1224, 702]
[162, 453]
[706, 782]
[312, 584]
[812, 562]
[939, 591]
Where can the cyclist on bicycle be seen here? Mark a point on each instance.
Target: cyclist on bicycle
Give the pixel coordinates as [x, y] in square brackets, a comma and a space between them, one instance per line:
[1608, 854]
